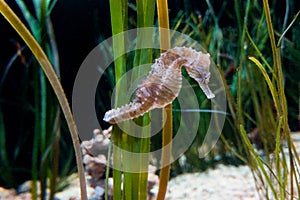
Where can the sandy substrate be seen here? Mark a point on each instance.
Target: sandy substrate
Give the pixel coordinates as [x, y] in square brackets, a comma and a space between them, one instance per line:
[221, 183]
[224, 182]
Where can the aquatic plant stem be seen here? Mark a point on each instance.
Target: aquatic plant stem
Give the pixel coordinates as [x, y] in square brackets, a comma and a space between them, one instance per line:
[55, 160]
[118, 15]
[54, 81]
[282, 110]
[109, 153]
[163, 20]
[145, 18]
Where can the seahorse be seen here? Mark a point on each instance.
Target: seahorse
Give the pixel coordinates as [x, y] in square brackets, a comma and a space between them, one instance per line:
[164, 82]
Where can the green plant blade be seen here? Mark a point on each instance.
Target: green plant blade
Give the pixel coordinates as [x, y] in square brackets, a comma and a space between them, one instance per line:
[54, 81]
[163, 19]
[286, 30]
[268, 80]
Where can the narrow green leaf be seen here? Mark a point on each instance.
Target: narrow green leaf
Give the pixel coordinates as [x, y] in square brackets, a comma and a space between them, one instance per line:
[118, 14]
[277, 158]
[270, 30]
[33, 24]
[3, 153]
[163, 19]
[268, 80]
[260, 54]
[51, 5]
[286, 30]
[260, 163]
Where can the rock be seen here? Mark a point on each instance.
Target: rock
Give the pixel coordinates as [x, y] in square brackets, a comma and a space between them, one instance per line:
[7, 194]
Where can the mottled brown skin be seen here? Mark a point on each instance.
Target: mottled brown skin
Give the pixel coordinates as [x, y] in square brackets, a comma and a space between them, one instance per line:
[163, 83]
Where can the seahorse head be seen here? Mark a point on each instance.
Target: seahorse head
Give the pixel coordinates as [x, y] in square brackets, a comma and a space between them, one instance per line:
[198, 68]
